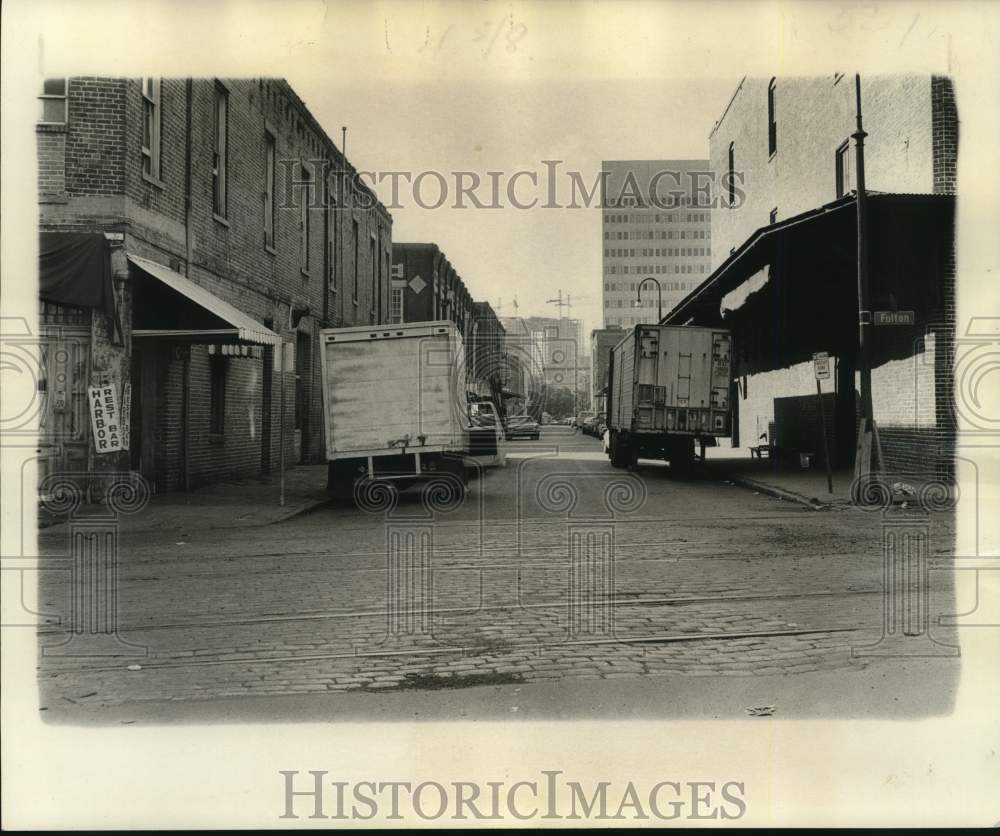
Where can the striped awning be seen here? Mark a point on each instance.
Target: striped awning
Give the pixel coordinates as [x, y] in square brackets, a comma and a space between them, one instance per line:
[233, 325]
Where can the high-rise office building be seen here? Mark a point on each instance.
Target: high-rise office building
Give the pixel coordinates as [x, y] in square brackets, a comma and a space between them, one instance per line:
[656, 223]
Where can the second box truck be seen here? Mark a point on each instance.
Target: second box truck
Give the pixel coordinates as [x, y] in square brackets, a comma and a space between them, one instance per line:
[668, 387]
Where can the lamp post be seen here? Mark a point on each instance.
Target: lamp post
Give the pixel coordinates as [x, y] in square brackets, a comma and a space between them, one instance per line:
[659, 296]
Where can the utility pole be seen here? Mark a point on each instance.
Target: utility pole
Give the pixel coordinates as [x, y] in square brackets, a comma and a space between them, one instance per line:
[868, 432]
[558, 302]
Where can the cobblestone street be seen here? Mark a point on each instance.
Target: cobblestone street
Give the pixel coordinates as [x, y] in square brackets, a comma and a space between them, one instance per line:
[555, 569]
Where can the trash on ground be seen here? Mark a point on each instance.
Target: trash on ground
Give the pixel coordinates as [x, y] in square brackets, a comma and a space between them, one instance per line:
[761, 711]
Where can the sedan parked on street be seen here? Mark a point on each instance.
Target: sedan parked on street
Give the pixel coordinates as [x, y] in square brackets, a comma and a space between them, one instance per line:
[522, 426]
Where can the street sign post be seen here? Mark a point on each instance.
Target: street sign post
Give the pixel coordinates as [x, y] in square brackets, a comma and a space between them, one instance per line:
[821, 366]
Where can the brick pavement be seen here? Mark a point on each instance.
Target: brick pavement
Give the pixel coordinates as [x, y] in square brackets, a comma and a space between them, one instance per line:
[705, 580]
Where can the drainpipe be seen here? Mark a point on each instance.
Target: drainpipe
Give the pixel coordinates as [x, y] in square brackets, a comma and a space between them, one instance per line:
[188, 253]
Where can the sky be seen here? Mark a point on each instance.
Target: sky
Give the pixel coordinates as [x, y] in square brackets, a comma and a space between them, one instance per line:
[484, 125]
[494, 86]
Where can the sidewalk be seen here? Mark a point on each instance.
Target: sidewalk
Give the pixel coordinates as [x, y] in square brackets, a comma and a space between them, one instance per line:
[231, 504]
[805, 485]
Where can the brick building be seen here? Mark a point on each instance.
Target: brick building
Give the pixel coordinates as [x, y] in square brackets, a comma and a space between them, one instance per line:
[426, 287]
[488, 368]
[602, 340]
[230, 224]
[785, 267]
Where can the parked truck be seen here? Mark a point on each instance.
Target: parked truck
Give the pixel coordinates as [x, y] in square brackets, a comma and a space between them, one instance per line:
[397, 411]
[668, 387]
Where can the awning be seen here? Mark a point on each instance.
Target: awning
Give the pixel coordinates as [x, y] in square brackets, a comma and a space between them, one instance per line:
[791, 289]
[176, 308]
[75, 269]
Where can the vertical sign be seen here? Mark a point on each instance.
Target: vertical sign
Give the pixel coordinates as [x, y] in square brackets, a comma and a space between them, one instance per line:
[821, 365]
[126, 419]
[105, 418]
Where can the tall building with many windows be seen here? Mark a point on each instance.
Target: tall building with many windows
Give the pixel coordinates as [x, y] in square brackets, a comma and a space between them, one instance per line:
[656, 223]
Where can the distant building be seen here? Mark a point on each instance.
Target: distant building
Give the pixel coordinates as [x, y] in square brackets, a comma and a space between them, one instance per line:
[602, 340]
[656, 223]
[426, 287]
[487, 351]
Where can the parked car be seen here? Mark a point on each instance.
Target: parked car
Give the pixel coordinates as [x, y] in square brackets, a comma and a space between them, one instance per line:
[581, 419]
[522, 426]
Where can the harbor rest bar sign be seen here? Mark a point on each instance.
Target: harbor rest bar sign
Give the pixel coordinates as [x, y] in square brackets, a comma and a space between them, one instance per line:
[106, 419]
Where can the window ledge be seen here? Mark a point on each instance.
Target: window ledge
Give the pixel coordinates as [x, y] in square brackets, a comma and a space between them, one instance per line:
[304, 272]
[53, 197]
[270, 248]
[51, 127]
[219, 219]
[153, 181]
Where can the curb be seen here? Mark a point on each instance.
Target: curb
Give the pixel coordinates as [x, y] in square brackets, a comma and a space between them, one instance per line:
[288, 514]
[323, 502]
[779, 493]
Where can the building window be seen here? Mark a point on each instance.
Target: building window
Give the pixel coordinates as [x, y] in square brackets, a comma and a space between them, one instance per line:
[270, 153]
[354, 228]
[374, 268]
[217, 394]
[151, 127]
[843, 167]
[220, 154]
[731, 185]
[52, 102]
[774, 215]
[396, 306]
[304, 197]
[331, 238]
[772, 124]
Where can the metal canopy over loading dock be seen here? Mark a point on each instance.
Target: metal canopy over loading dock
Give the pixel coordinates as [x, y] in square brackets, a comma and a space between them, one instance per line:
[791, 290]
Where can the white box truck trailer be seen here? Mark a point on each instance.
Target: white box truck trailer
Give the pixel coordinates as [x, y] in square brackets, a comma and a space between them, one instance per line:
[395, 405]
[668, 387]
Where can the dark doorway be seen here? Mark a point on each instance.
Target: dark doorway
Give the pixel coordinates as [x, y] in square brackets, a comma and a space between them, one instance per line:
[266, 401]
[142, 417]
[303, 374]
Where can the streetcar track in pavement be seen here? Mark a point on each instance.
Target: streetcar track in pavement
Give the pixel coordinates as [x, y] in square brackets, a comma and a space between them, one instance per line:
[463, 650]
[321, 615]
[534, 563]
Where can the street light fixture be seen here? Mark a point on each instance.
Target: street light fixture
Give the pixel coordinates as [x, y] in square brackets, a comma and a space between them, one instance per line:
[659, 296]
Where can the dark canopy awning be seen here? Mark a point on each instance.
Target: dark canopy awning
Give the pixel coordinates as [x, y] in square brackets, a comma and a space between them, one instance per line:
[75, 269]
[171, 306]
[791, 289]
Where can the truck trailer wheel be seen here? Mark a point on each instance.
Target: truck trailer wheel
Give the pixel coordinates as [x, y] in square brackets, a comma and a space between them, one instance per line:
[340, 478]
[621, 453]
[681, 455]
